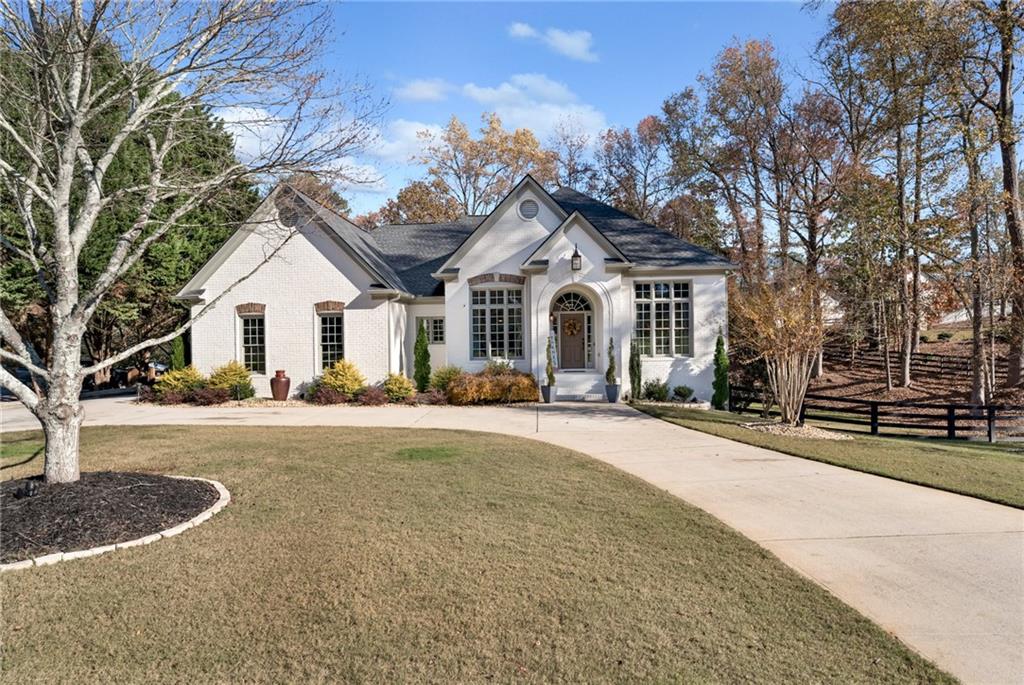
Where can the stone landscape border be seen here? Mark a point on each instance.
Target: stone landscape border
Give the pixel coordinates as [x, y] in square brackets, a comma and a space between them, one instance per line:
[47, 559]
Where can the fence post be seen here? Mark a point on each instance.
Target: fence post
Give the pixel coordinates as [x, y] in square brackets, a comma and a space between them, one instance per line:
[991, 420]
[874, 418]
[951, 422]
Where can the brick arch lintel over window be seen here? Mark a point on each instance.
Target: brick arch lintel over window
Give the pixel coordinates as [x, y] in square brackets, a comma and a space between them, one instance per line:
[329, 307]
[500, 278]
[250, 308]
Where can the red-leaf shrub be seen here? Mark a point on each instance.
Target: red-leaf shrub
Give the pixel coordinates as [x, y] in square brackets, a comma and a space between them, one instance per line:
[207, 396]
[373, 397]
[174, 397]
[428, 397]
[324, 395]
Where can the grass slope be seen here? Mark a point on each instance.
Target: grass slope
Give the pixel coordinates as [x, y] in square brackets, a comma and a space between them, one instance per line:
[382, 555]
[990, 472]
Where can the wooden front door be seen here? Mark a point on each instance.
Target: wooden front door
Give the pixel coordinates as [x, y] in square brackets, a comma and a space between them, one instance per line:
[572, 341]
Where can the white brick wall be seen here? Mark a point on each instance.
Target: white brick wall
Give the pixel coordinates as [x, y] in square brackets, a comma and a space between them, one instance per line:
[310, 268]
[380, 335]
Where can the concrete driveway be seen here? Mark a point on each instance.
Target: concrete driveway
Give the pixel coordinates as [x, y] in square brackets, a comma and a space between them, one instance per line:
[943, 572]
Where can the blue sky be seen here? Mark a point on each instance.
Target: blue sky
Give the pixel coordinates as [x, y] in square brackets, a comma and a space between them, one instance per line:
[605, 64]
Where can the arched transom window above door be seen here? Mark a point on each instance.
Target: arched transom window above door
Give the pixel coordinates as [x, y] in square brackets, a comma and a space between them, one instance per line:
[571, 302]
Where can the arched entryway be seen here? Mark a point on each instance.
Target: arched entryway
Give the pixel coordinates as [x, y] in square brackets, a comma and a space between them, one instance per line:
[572, 330]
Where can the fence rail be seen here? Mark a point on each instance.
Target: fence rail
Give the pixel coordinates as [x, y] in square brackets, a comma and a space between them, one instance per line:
[988, 422]
[920, 362]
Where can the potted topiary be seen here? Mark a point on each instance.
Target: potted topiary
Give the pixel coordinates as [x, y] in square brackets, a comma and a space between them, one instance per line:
[547, 391]
[611, 383]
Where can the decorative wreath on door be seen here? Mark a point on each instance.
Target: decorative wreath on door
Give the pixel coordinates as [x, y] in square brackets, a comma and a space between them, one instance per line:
[571, 328]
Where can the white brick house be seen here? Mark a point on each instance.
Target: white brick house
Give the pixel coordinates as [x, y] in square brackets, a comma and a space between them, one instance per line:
[494, 286]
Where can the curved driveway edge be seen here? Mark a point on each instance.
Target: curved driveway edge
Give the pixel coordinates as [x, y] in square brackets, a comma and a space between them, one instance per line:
[48, 559]
[942, 572]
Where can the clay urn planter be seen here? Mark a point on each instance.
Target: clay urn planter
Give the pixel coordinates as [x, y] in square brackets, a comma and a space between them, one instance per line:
[280, 384]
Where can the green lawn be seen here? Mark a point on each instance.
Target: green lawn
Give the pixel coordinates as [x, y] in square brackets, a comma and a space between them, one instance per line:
[394, 555]
[992, 472]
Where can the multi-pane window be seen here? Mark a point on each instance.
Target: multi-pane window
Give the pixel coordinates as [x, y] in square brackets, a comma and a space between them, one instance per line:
[662, 318]
[332, 338]
[496, 323]
[435, 329]
[254, 350]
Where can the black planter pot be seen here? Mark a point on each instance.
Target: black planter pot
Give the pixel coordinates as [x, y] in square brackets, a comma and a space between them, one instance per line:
[548, 393]
[612, 393]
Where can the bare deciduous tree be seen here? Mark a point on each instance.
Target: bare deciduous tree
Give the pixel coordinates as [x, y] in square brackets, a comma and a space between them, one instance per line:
[251, 62]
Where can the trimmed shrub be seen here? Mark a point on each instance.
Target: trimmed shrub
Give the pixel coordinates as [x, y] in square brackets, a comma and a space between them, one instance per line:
[440, 379]
[343, 377]
[397, 387]
[207, 396]
[925, 338]
[609, 375]
[945, 335]
[182, 381]
[372, 397]
[231, 374]
[635, 371]
[549, 369]
[146, 394]
[498, 367]
[234, 378]
[720, 385]
[683, 393]
[323, 395]
[421, 359]
[656, 391]
[482, 388]
[177, 353]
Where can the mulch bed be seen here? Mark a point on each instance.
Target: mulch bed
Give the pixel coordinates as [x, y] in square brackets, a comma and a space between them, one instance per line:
[102, 508]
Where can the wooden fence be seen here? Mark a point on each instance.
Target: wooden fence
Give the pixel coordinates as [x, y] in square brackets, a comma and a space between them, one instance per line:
[989, 422]
[920, 362]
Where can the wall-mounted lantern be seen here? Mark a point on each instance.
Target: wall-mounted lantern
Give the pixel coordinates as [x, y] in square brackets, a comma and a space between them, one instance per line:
[577, 259]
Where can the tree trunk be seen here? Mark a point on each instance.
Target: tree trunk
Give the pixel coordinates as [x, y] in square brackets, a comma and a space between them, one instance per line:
[903, 239]
[60, 411]
[62, 424]
[915, 256]
[1006, 24]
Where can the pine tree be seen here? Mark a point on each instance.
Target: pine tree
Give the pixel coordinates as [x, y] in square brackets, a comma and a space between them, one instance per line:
[720, 398]
[421, 359]
[635, 372]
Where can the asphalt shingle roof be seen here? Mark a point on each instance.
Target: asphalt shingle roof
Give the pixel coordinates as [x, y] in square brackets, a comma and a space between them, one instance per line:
[418, 250]
[405, 255]
[357, 239]
[641, 242]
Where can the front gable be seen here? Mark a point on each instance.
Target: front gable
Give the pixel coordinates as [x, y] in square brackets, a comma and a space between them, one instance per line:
[570, 232]
[275, 223]
[506, 235]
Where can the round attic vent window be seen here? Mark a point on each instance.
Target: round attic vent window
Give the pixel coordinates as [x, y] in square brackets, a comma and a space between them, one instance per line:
[528, 209]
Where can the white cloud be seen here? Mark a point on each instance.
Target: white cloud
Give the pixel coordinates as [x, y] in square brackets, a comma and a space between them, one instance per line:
[573, 44]
[521, 30]
[576, 45]
[256, 131]
[536, 102]
[400, 140]
[424, 90]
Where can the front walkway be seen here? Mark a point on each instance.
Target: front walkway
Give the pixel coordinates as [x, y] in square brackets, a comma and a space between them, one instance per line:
[943, 572]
